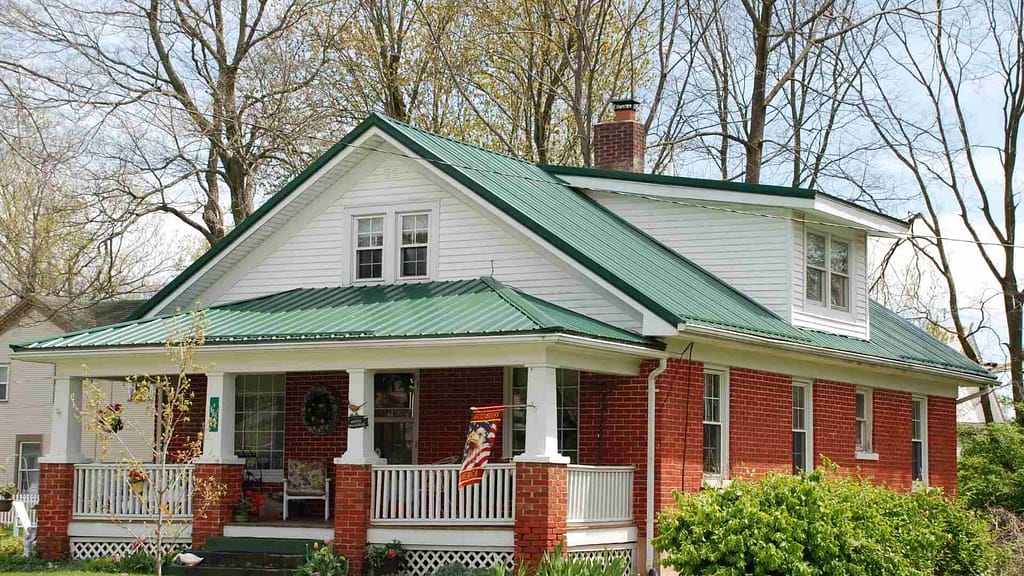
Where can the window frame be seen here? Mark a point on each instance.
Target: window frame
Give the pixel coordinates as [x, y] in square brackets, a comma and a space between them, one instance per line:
[391, 252]
[414, 420]
[400, 246]
[722, 476]
[825, 304]
[507, 445]
[19, 471]
[865, 451]
[356, 249]
[808, 430]
[6, 382]
[266, 474]
[923, 400]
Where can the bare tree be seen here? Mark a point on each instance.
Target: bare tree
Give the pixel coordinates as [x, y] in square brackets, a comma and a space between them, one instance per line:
[919, 98]
[192, 99]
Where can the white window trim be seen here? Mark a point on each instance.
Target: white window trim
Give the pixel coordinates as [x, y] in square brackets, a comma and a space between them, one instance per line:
[808, 387]
[399, 246]
[354, 243]
[869, 417]
[391, 260]
[720, 480]
[21, 458]
[418, 389]
[7, 386]
[924, 438]
[269, 474]
[825, 308]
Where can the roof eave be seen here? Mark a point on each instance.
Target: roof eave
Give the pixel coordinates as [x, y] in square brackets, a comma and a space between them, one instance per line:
[741, 337]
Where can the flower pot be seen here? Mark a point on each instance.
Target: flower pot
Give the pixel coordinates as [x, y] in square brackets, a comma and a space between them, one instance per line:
[240, 517]
[137, 486]
[390, 566]
[5, 505]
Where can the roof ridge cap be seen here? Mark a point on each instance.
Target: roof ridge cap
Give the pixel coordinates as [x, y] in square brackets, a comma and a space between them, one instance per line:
[510, 296]
[387, 118]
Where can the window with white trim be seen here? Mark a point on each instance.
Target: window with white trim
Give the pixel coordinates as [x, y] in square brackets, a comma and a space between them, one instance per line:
[414, 241]
[29, 452]
[5, 372]
[567, 384]
[259, 421]
[369, 253]
[803, 460]
[919, 439]
[716, 424]
[827, 271]
[863, 420]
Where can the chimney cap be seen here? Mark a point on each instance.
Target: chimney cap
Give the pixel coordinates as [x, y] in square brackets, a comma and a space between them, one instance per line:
[625, 104]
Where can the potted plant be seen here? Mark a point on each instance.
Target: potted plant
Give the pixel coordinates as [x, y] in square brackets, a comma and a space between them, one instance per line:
[386, 558]
[110, 418]
[7, 492]
[136, 480]
[247, 507]
[322, 561]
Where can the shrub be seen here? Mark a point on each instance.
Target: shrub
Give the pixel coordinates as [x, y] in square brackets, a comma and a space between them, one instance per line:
[1008, 531]
[322, 561]
[454, 569]
[558, 564]
[819, 524]
[991, 469]
[23, 564]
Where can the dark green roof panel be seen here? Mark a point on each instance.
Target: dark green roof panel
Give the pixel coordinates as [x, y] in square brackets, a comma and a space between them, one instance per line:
[417, 310]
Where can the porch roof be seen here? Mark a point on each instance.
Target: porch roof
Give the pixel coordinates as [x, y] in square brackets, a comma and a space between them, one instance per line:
[480, 307]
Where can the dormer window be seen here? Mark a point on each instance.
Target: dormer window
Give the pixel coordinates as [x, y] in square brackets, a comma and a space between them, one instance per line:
[827, 280]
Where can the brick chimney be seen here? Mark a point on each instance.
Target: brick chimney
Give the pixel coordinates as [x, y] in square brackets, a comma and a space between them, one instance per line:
[619, 145]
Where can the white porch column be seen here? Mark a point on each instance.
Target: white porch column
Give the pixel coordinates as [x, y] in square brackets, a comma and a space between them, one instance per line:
[360, 446]
[542, 417]
[66, 425]
[219, 425]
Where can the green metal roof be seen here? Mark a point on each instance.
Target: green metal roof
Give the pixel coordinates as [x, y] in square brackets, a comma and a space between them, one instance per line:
[660, 279]
[421, 310]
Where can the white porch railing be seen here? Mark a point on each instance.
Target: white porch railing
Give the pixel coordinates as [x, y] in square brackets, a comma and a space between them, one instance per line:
[101, 491]
[431, 495]
[30, 499]
[600, 494]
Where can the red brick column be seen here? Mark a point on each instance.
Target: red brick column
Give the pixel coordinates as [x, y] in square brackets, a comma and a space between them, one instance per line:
[351, 513]
[541, 501]
[54, 511]
[218, 489]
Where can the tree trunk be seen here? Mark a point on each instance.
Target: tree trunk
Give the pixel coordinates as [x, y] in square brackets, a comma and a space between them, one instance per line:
[758, 103]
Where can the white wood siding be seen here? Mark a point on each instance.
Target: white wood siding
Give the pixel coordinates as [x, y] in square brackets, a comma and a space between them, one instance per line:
[312, 250]
[751, 253]
[30, 402]
[854, 324]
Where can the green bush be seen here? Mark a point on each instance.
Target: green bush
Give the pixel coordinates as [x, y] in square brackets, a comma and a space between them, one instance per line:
[23, 564]
[991, 470]
[820, 524]
[454, 569]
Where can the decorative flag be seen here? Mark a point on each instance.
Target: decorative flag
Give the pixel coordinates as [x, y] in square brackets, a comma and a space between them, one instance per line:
[483, 427]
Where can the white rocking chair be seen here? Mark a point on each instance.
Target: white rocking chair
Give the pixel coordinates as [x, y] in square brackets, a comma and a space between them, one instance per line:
[307, 481]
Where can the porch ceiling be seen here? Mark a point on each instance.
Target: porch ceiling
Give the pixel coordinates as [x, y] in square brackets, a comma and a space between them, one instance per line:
[482, 307]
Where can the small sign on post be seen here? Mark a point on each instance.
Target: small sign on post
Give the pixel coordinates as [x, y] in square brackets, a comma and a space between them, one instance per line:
[214, 414]
[358, 421]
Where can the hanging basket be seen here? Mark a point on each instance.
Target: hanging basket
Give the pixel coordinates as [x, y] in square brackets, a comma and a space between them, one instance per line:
[137, 486]
[320, 411]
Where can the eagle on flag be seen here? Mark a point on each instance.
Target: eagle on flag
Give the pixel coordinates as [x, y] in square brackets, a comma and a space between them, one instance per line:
[483, 427]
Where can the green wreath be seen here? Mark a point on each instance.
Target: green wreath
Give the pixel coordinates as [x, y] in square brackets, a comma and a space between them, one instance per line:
[320, 411]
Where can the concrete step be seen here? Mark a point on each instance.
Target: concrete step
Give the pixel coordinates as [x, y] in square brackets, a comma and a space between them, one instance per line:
[226, 571]
[250, 559]
[259, 545]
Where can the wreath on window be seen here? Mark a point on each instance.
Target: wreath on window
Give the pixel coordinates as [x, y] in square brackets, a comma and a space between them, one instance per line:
[320, 411]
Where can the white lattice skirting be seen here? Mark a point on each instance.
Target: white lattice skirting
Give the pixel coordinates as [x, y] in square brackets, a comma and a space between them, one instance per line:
[627, 551]
[426, 561]
[85, 548]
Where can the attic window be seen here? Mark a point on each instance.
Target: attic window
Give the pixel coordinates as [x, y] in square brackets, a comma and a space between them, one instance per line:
[414, 241]
[827, 271]
[370, 248]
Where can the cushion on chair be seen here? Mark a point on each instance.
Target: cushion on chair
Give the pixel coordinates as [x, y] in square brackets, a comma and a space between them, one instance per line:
[305, 478]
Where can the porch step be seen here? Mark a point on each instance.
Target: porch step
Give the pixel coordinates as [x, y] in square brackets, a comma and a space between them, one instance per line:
[227, 571]
[260, 545]
[250, 560]
[223, 556]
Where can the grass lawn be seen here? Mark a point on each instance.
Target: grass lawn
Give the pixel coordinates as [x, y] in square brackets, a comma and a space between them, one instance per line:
[54, 573]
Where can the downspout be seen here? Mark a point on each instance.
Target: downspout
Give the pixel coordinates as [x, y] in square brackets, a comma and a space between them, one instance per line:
[649, 527]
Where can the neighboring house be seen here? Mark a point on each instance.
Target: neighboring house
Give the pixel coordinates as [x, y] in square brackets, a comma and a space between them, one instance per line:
[26, 388]
[654, 333]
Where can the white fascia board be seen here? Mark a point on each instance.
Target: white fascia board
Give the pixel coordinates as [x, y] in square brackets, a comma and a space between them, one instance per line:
[685, 192]
[339, 158]
[872, 223]
[752, 343]
[653, 325]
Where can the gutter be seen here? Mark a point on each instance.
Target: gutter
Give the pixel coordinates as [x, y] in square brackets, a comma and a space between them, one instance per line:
[723, 334]
[651, 405]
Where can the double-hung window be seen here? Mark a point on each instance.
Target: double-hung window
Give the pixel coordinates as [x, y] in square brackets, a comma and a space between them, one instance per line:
[370, 248]
[414, 239]
[5, 372]
[803, 461]
[259, 421]
[919, 439]
[29, 452]
[827, 276]
[716, 421]
[567, 383]
[863, 420]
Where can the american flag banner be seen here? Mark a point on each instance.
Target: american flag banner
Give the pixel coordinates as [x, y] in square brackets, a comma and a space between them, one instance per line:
[483, 427]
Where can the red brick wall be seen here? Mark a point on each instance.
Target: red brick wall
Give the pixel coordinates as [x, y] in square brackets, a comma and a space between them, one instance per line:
[942, 443]
[540, 511]
[760, 422]
[54, 510]
[835, 436]
[446, 396]
[299, 442]
[351, 514]
[218, 489]
[187, 430]
[890, 440]
[619, 146]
